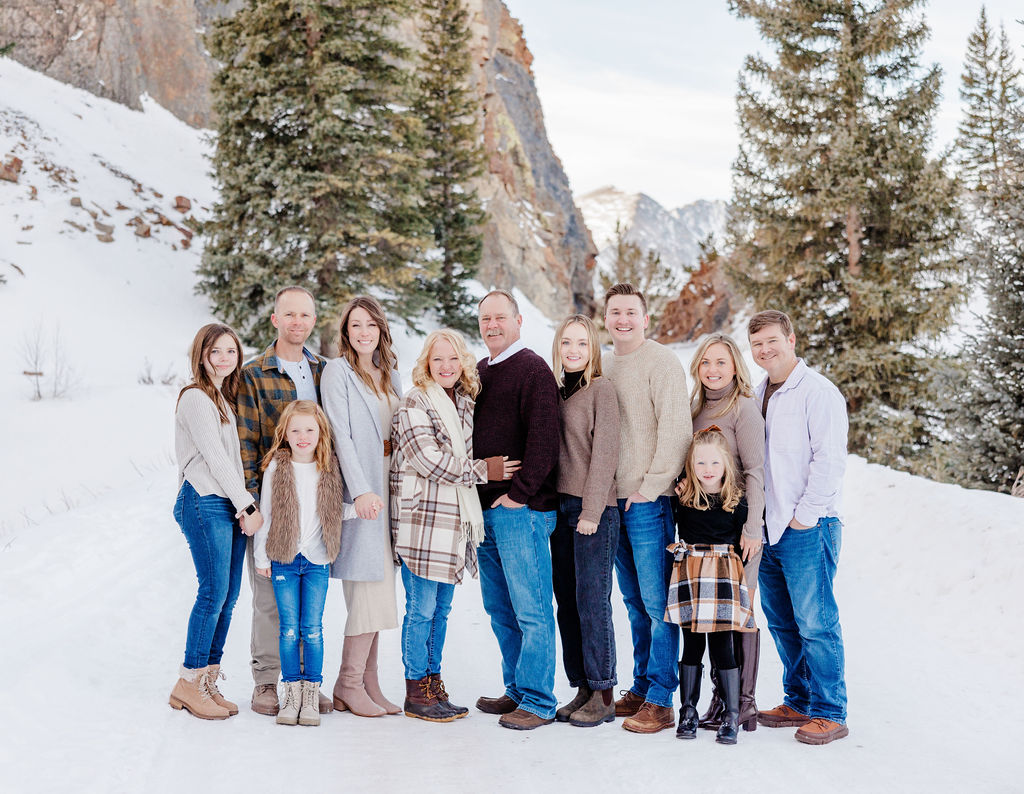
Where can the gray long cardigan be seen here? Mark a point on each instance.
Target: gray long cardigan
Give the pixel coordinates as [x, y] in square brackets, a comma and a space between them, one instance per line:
[353, 412]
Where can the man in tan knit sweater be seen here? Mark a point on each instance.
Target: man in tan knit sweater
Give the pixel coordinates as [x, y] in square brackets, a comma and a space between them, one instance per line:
[654, 418]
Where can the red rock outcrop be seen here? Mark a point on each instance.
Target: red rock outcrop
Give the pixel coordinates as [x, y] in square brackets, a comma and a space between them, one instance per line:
[704, 305]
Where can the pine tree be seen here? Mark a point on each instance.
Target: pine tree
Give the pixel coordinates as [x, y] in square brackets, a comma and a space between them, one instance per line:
[991, 92]
[448, 107]
[840, 217]
[6, 49]
[990, 423]
[316, 160]
[644, 270]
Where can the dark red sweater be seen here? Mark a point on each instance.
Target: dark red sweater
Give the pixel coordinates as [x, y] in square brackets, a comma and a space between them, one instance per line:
[517, 415]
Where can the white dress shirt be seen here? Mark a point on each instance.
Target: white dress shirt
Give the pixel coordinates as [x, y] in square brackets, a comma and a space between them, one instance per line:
[805, 450]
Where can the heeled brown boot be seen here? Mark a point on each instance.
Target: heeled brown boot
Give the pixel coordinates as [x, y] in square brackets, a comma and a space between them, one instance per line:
[349, 691]
[372, 684]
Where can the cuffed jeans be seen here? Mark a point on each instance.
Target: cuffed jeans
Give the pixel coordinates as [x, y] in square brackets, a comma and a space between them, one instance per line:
[300, 588]
[218, 548]
[796, 594]
[515, 583]
[427, 605]
[644, 567]
[582, 575]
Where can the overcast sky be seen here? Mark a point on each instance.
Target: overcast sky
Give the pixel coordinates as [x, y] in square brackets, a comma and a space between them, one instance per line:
[640, 94]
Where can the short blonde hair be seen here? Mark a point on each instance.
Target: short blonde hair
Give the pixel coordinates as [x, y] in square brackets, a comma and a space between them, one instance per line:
[744, 387]
[322, 453]
[693, 494]
[593, 368]
[469, 379]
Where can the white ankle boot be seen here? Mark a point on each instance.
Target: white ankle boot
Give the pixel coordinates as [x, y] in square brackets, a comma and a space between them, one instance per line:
[290, 704]
[309, 713]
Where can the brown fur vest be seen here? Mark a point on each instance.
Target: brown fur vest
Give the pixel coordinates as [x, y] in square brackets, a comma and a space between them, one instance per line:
[283, 537]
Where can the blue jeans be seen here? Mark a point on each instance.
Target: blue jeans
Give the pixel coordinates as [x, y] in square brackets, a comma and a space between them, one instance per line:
[300, 589]
[644, 567]
[427, 604]
[582, 576]
[515, 583]
[796, 594]
[218, 552]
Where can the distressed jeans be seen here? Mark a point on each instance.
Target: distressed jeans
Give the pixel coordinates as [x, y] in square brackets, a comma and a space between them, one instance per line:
[218, 550]
[427, 605]
[582, 576]
[300, 588]
[643, 567]
[515, 583]
[796, 594]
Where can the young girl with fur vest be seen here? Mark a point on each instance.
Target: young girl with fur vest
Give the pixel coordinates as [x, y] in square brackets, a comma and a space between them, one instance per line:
[708, 596]
[302, 504]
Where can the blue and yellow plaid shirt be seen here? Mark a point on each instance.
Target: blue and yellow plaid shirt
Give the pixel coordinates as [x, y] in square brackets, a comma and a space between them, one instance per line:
[262, 395]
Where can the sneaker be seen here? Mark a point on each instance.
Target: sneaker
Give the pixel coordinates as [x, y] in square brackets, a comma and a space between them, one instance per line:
[821, 731]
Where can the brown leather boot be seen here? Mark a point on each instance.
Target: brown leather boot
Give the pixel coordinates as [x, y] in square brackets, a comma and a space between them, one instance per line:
[782, 717]
[520, 720]
[651, 719]
[212, 674]
[190, 693]
[437, 687]
[749, 661]
[422, 703]
[583, 694]
[349, 692]
[598, 709]
[372, 684]
[499, 705]
[713, 716]
[629, 704]
[265, 700]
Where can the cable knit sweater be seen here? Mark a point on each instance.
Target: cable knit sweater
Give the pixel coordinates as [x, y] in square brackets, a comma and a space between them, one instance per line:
[743, 428]
[654, 419]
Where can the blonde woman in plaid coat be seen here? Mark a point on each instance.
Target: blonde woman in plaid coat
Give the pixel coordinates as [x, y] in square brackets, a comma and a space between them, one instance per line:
[708, 596]
[436, 518]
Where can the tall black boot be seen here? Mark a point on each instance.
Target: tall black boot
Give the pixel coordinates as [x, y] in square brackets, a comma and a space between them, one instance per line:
[730, 683]
[689, 694]
[713, 716]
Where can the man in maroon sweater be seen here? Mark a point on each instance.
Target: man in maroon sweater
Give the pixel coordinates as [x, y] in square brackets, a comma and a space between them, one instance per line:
[517, 415]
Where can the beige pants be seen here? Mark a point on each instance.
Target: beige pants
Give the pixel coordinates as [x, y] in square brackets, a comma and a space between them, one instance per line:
[265, 662]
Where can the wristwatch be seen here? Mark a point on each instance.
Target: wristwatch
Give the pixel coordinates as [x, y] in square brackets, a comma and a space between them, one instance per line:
[250, 509]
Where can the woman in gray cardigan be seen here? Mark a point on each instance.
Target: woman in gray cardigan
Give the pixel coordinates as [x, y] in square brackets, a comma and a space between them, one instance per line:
[360, 392]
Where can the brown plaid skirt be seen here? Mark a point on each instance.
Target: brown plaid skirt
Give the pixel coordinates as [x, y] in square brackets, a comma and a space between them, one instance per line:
[707, 591]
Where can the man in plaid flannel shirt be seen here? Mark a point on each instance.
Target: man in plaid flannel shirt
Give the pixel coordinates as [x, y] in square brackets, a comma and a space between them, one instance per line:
[284, 372]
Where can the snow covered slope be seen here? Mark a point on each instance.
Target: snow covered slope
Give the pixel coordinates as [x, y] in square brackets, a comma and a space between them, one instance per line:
[96, 580]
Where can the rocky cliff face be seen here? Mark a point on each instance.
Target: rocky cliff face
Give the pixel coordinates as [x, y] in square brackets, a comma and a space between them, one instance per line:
[119, 49]
[704, 305]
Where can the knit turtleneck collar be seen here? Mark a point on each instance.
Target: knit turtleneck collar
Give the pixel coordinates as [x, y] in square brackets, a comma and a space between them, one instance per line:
[573, 383]
[714, 395]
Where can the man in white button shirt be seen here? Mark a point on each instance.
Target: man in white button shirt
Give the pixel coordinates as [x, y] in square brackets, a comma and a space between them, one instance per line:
[805, 458]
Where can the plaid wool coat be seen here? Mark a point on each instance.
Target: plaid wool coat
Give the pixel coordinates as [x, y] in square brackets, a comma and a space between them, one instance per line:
[264, 392]
[425, 522]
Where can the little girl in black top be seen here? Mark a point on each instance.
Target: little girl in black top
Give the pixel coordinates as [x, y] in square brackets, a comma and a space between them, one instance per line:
[708, 596]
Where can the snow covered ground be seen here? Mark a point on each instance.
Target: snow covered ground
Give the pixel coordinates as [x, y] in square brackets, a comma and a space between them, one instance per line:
[96, 580]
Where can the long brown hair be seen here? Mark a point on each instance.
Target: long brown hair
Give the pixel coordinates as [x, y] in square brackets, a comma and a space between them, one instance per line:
[469, 379]
[386, 358]
[744, 388]
[693, 494]
[322, 453]
[204, 341]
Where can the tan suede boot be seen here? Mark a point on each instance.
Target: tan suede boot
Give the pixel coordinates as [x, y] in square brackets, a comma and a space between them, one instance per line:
[309, 712]
[212, 674]
[371, 682]
[191, 694]
[349, 692]
[289, 711]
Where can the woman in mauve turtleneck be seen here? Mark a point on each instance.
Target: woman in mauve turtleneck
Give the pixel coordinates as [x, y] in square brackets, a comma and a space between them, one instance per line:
[723, 396]
[587, 533]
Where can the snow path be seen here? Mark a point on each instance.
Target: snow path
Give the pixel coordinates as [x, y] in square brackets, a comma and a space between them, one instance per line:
[98, 598]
